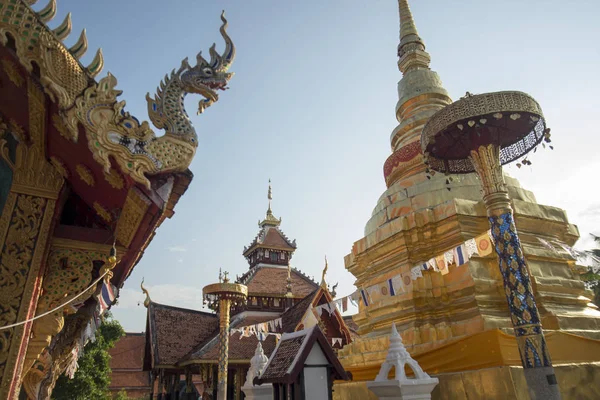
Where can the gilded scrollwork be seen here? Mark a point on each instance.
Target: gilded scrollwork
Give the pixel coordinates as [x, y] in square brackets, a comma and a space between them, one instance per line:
[12, 72]
[85, 174]
[134, 209]
[63, 76]
[63, 265]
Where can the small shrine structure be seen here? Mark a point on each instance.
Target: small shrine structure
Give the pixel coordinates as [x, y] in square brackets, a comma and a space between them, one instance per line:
[303, 366]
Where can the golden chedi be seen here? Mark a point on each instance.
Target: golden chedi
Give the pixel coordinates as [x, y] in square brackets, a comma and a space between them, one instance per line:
[458, 326]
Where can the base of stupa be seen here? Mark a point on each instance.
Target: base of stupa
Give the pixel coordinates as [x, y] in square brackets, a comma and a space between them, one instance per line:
[576, 382]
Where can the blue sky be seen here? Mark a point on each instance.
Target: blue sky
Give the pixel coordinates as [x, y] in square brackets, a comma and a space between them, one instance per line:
[312, 107]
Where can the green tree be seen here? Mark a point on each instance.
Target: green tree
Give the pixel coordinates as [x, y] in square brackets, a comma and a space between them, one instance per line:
[592, 277]
[92, 378]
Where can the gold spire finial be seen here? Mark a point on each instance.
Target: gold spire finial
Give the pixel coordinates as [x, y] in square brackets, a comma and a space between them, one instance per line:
[411, 50]
[407, 23]
[145, 291]
[323, 283]
[270, 218]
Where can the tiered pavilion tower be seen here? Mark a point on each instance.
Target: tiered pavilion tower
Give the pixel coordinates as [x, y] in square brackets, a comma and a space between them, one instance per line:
[458, 324]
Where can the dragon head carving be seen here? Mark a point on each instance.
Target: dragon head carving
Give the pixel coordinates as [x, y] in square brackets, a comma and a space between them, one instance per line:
[113, 132]
[166, 109]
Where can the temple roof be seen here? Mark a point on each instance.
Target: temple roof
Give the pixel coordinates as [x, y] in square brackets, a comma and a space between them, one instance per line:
[270, 237]
[272, 281]
[239, 349]
[126, 364]
[293, 316]
[174, 332]
[287, 361]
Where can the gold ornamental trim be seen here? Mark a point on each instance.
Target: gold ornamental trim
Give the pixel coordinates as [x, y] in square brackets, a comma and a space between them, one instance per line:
[226, 288]
[477, 105]
[135, 207]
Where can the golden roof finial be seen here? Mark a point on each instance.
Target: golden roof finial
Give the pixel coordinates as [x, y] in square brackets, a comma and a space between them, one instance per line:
[411, 49]
[145, 291]
[270, 194]
[270, 218]
[323, 283]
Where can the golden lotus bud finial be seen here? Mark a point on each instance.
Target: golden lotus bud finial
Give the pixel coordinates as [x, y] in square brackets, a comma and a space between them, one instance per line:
[110, 264]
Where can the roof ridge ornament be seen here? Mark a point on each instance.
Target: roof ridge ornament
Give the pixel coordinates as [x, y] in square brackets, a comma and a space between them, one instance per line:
[147, 300]
[323, 282]
[270, 219]
[112, 132]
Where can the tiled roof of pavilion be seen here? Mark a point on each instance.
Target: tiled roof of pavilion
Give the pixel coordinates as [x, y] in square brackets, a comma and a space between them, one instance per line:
[126, 364]
[293, 316]
[288, 358]
[174, 331]
[265, 280]
[272, 237]
[243, 349]
[239, 349]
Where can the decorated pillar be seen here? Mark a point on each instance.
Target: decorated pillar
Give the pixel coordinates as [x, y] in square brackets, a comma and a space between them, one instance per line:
[221, 296]
[480, 133]
[25, 225]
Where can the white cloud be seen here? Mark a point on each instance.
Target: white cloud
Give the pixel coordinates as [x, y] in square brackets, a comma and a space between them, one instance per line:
[176, 249]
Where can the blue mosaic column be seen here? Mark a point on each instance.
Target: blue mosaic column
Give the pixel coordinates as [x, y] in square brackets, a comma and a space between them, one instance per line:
[537, 365]
[519, 295]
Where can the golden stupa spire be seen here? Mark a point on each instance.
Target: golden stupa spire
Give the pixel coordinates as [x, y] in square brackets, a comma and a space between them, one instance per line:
[411, 50]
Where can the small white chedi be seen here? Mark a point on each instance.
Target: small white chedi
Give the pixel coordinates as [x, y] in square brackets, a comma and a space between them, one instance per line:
[257, 366]
[401, 387]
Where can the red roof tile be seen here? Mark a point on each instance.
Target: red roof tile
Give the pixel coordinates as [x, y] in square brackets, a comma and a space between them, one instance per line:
[273, 281]
[176, 331]
[128, 352]
[271, 236]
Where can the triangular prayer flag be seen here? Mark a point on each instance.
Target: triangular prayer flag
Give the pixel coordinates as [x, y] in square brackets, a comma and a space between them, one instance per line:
[471, 246]
[416, 272]
[398, 284]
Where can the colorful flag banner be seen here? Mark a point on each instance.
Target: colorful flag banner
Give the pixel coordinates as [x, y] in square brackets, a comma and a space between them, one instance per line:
[460, 255]
[484, 245]
[442, 264]
[365, 299]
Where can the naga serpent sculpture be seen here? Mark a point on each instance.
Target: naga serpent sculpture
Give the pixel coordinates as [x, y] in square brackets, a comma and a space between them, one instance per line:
[113, 132]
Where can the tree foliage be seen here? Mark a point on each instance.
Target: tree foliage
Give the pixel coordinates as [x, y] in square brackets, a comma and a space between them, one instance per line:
[92, 378]
[592, 277]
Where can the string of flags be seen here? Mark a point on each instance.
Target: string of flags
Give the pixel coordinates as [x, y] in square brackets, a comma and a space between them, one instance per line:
[401, 283]
[262, 330]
